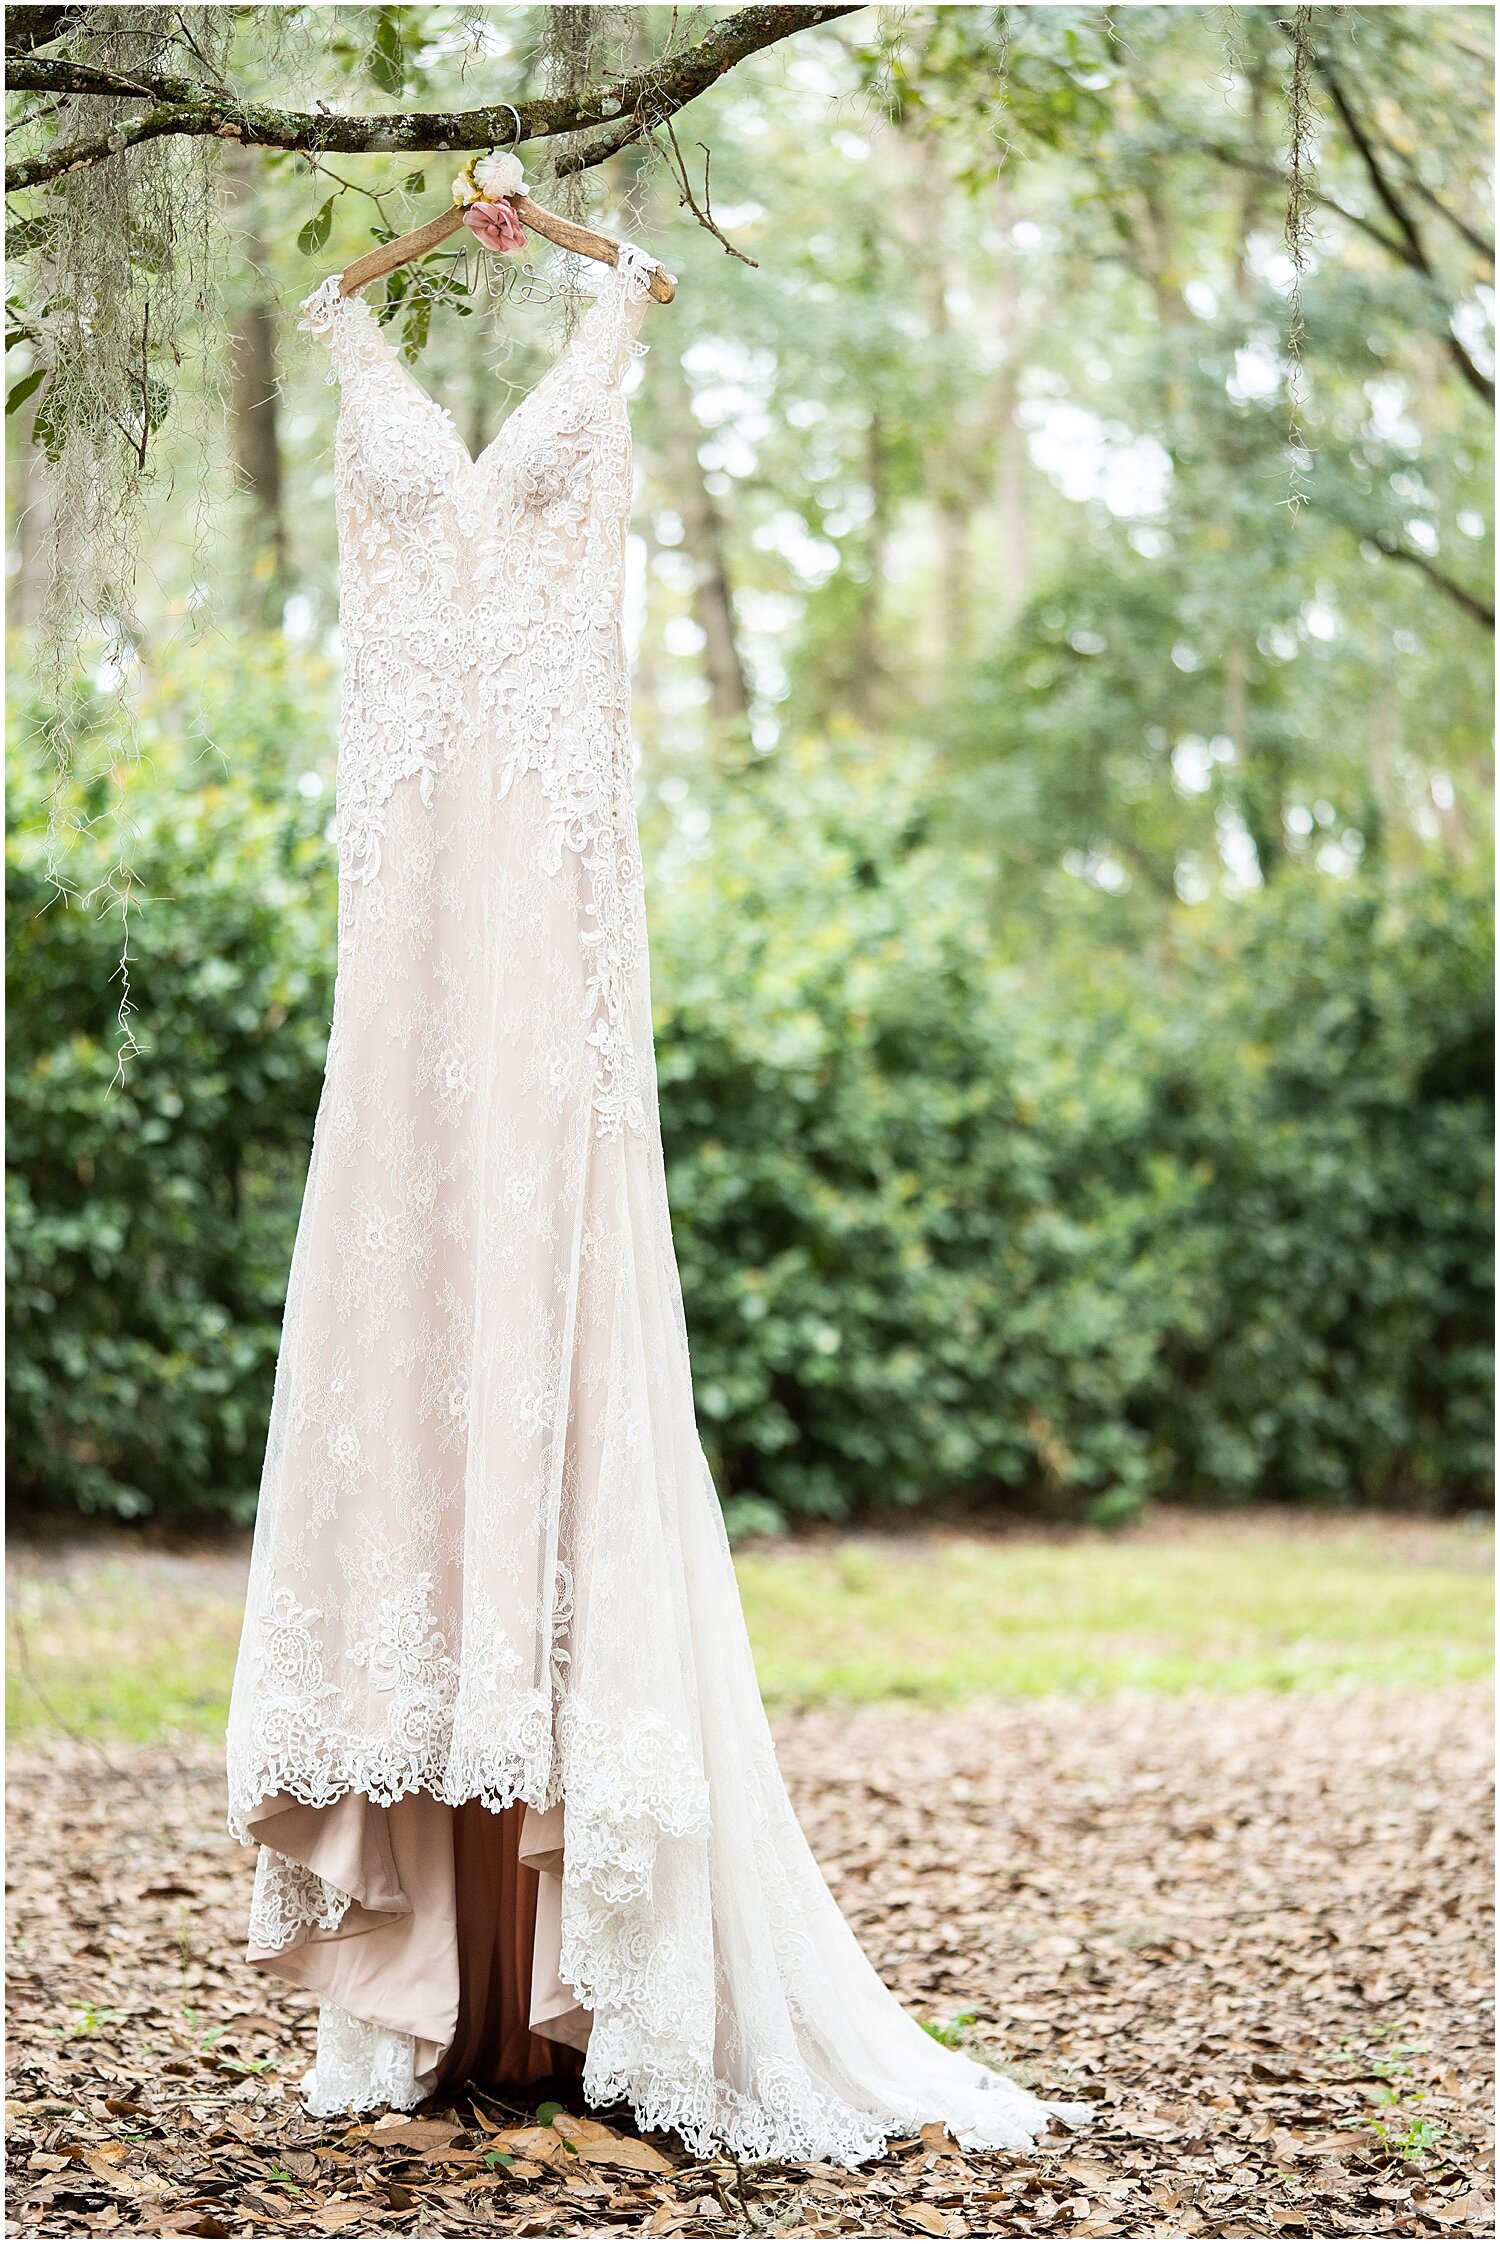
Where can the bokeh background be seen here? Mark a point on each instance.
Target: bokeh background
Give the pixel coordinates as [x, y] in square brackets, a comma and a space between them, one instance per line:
[1066, 799]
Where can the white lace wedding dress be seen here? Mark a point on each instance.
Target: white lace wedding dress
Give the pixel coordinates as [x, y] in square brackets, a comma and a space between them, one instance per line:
[489, 1563]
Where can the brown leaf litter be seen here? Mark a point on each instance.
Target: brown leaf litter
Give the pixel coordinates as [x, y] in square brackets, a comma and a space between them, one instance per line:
[1253, 1931]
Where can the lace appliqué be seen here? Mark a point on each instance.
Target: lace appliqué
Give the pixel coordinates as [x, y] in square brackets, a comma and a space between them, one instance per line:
[359, 2068]
[289, 1901]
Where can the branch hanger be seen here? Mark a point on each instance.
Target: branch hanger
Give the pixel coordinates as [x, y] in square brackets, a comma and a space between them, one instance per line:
[505, 186]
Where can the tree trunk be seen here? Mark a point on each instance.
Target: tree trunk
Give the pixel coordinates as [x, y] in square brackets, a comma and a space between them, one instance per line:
[255, 403]
[949, 485]
[1010, 445]
[1262, 769]
[31, 510]
[867, 672]
[703, 532]
[1156, 236]
[1254, 189]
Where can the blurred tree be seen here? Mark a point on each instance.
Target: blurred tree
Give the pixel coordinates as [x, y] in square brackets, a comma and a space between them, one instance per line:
[255, 403]
[703, 533]
[1207, 1218]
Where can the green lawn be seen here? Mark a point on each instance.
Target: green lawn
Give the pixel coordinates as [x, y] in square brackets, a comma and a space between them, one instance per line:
[1211, 1607]
[112, 1641]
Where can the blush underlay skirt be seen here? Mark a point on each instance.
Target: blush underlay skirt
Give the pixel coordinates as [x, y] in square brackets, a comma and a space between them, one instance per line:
[444, 1966]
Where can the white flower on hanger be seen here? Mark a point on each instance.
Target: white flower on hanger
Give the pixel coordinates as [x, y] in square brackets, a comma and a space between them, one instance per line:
[499, 175]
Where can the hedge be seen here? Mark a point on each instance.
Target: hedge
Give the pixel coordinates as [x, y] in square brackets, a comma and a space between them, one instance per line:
[1208, 1223]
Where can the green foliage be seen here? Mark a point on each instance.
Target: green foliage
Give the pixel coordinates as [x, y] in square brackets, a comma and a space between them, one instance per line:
[149, 1219]
[954, 2034]
[1332, 1098]
[1213, 1223]
[1209, 1220]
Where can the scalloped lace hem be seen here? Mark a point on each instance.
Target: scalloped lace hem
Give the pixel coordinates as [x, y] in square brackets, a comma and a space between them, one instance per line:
[646, 2045]
[625, 1793]
[384, 1779]
[361, 2068]
[789, 2120]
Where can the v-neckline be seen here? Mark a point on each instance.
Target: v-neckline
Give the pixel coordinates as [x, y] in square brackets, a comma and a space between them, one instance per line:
[473, 461]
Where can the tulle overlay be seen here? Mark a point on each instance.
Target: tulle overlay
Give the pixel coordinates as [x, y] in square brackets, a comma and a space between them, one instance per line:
[489, 1561]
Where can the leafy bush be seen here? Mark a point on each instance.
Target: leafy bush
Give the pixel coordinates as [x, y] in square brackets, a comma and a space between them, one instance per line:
[1210, 1224]
[150, 1218]
[1213, 1223]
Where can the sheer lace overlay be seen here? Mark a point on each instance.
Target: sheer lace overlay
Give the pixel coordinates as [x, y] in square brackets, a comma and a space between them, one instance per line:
[489, 1561]
[359, 2068]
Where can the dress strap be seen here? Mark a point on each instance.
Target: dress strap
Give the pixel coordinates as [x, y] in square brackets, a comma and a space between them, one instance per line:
[620, 294]
[636, 268]
[320, 309]
[345, 326]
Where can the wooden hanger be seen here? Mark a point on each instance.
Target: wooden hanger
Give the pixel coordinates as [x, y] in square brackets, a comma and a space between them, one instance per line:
[580, 239]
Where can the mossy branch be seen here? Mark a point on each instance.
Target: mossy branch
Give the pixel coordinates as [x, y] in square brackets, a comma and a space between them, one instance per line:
[627, 106]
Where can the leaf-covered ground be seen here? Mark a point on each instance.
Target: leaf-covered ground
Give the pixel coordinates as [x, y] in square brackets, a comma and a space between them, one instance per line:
[1253, 1930]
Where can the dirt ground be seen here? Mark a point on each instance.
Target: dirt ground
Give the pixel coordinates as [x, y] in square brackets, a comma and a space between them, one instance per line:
[1253, 1931]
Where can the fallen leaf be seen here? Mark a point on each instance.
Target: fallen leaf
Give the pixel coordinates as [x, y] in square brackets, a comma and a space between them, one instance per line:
[412, 2134]
[626, 2151]
[1473, 2207]
[1195, 1960]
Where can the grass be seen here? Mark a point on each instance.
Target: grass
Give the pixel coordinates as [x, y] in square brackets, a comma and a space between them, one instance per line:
[112, 1641]
[113, 1649]
[1210, 1607]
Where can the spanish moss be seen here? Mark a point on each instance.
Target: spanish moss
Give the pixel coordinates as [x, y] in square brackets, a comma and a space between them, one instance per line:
[1301, 196]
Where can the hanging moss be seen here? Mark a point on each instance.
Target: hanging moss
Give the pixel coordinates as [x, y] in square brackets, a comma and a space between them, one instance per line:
[1301, 197]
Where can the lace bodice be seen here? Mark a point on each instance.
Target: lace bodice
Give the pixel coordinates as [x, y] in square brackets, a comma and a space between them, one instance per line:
[480, 606]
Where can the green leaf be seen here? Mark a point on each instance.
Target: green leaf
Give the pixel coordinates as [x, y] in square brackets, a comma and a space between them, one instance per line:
[415, 183]
[18, 393]
[387, 57]
[416, 327]
[546, 2113]
[317, 230]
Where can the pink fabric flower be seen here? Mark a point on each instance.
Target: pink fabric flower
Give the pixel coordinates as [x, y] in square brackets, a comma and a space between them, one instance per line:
[496, 225]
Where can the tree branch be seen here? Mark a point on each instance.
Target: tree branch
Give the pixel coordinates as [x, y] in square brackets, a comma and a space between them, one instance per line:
[1481, 245]
[627, 106]
[54, 74]
[1394, 246]
[1414, 252]
[1256, 167]
[79, 155]
[1472, 603]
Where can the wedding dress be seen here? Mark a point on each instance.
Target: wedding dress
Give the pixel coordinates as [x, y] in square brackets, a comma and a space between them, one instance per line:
[490, 1577]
